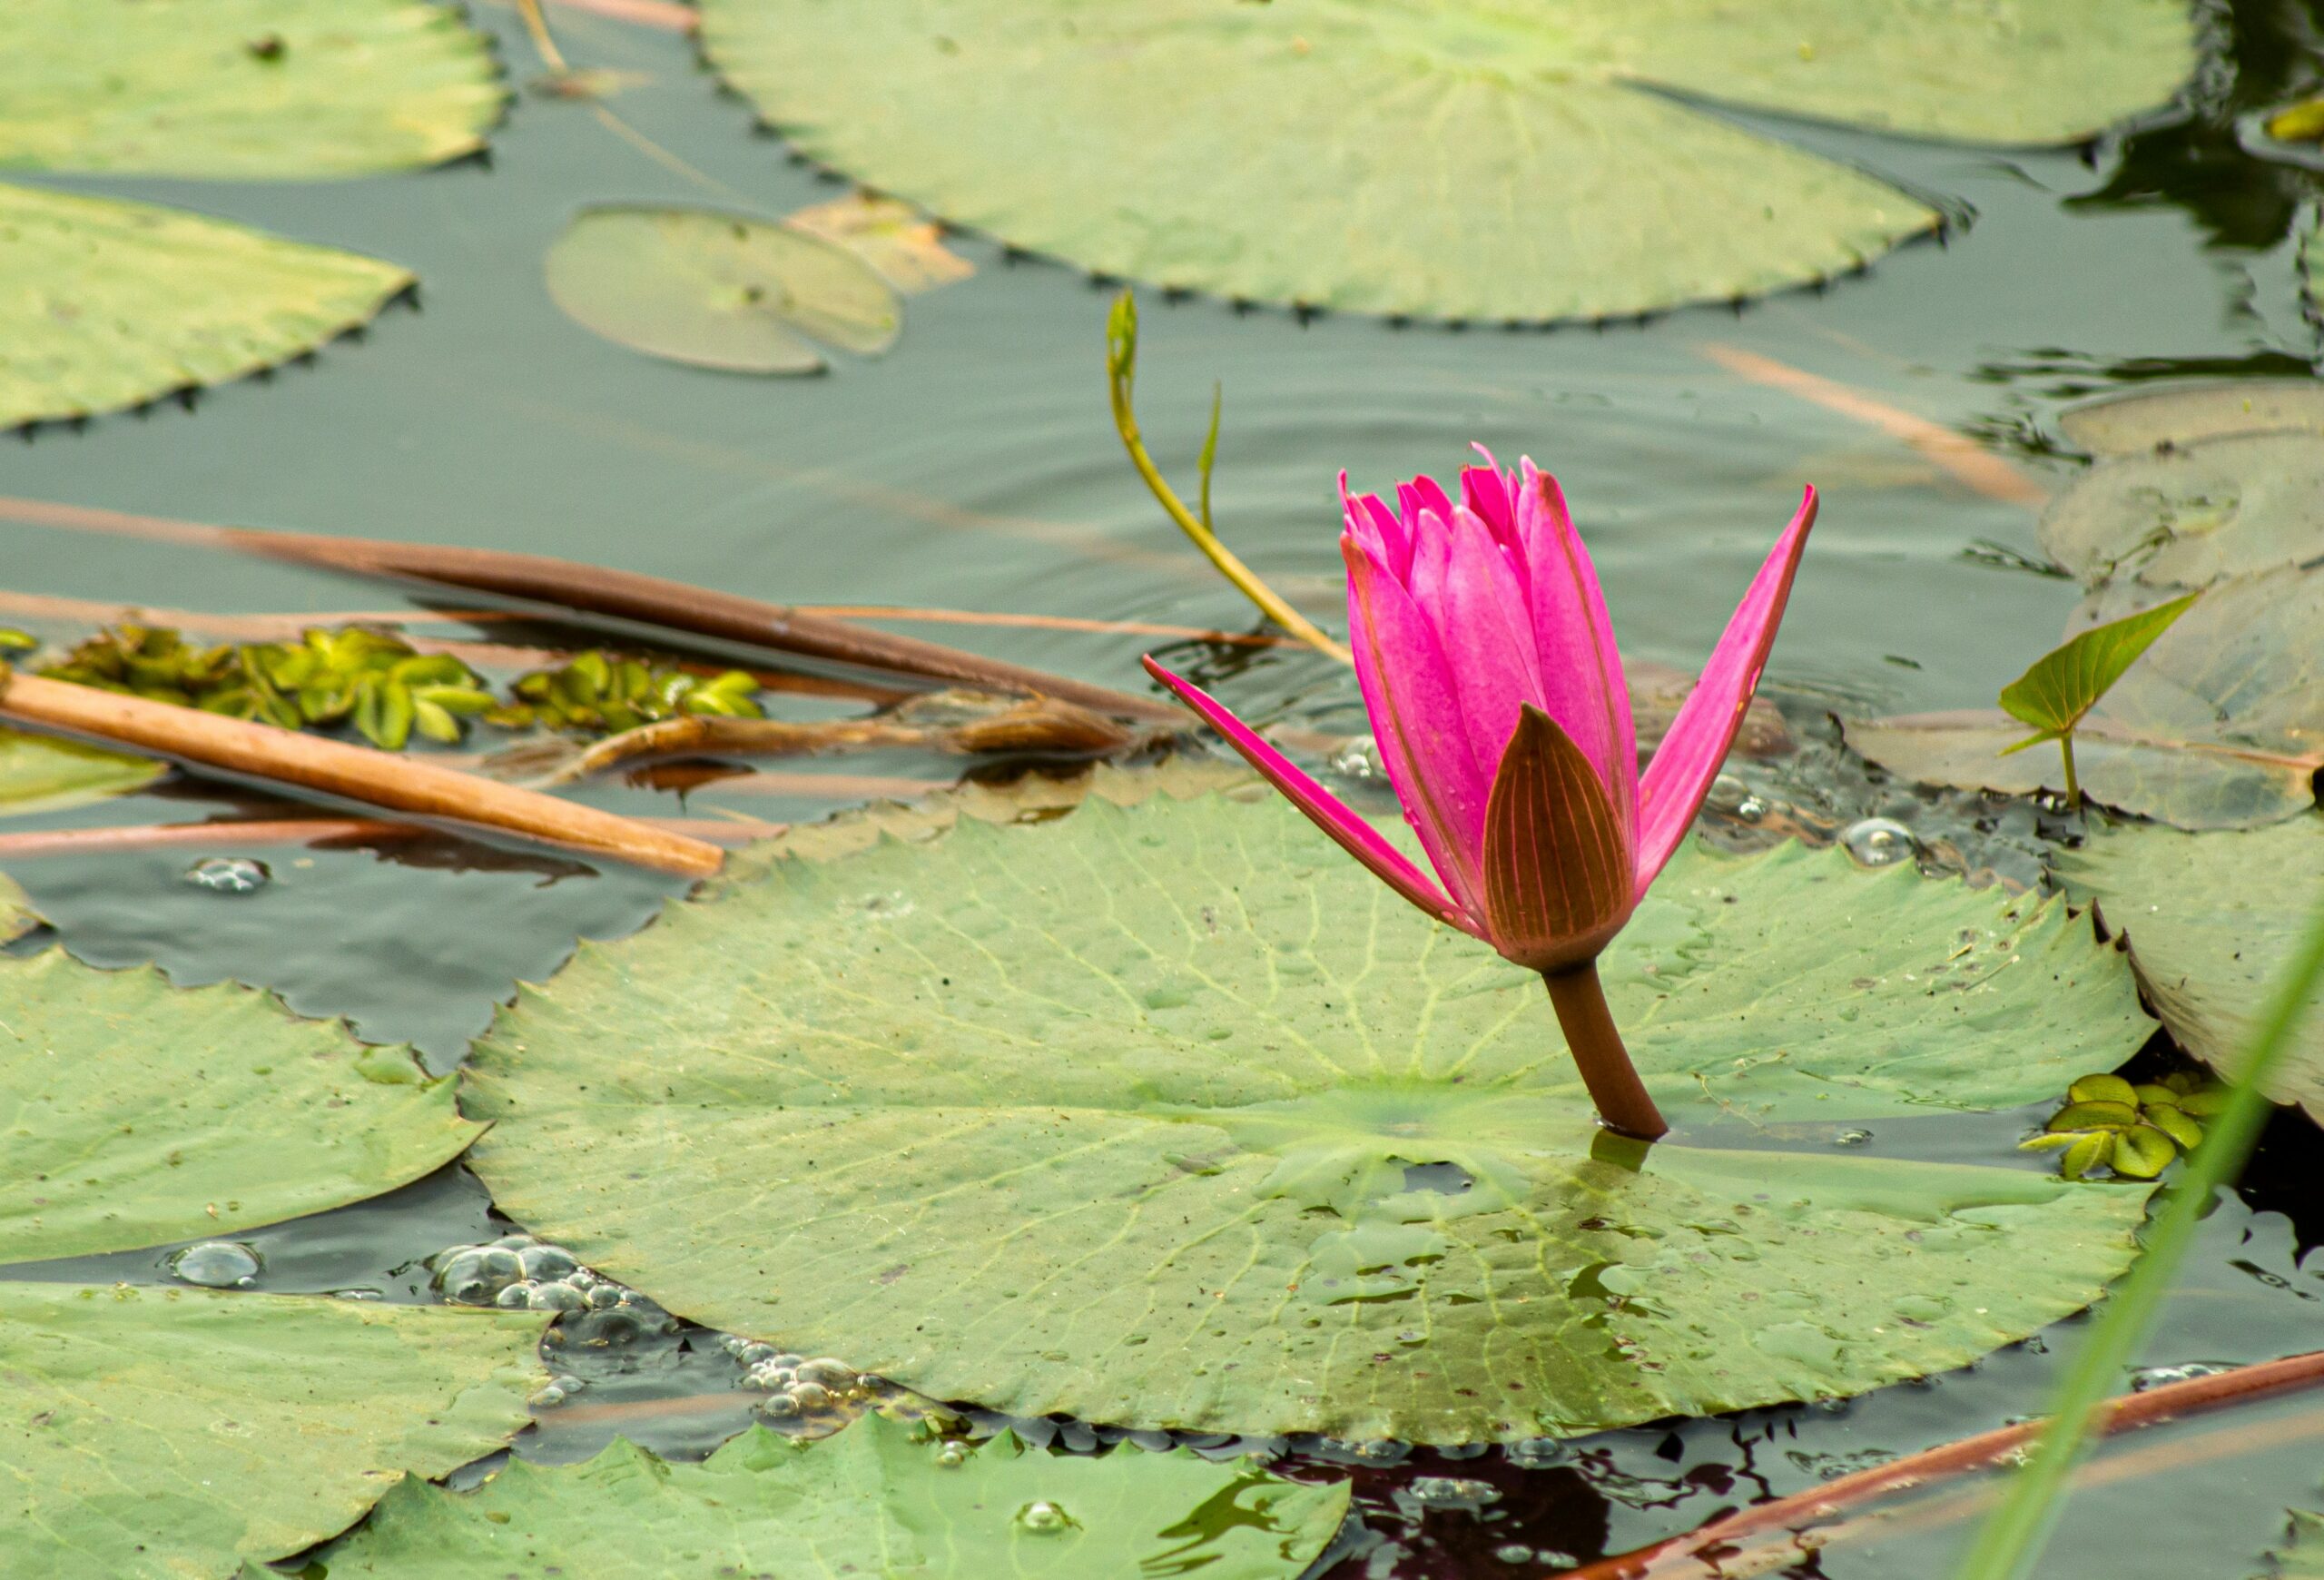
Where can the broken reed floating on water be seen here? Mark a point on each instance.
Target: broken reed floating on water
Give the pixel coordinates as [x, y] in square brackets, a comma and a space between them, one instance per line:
[355, 773]
[626, 595]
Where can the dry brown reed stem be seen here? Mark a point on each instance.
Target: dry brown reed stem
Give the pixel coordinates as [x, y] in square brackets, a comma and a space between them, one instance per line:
[1962, 458]
[1705, 1551]
[355, 773]
[238, 832]
[618, 594]
[833, 787]
[658, 13]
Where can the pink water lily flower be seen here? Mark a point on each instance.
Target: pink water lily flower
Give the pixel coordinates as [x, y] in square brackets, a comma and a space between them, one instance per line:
[1495, 690]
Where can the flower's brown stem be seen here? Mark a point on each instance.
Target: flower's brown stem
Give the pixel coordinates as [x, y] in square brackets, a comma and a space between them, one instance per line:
[1580, 1000]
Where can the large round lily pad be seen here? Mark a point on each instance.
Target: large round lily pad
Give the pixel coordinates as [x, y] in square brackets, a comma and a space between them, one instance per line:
[2221, 725]
[241, 89]
[43, 774]
[1170, 1115]
[134, 1113]
[874, 1500]
[106, 304]
[1467, 160]
[2185, 515]
[2211, 919]
[2178, 415]
[149, 1433]
[718, 289]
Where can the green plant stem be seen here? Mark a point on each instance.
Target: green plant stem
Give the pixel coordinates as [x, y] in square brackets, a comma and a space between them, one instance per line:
[2013, 1538]
[2074, 789]
[1120, 368]
[1580, 1000]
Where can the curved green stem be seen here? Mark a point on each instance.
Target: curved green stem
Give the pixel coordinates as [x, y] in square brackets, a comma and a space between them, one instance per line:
[2073, 790]
[1121, 369]
[1580, 1000]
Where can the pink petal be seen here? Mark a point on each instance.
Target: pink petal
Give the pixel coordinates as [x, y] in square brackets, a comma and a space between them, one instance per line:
[1349, 831]
[1486, 633]
[1378, 529]
[1423, 496]
[1415, 712]
[1679, 776]
[1582, 668]
[1485, 491]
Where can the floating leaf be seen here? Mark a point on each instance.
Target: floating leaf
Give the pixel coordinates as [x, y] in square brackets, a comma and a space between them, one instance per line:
[241, 90]
[718, 289]
[1117, 1114]
[1563, 170]
[169, 1432]
[43, 774]
[2211, 918]
[901, 244]
[106, 304]
[2183, 518]
[2219, 726]
[137, 1113]
[2065, 683]
[2302, 1556]
[16, 915]
[2182, 415]
[874, 1500]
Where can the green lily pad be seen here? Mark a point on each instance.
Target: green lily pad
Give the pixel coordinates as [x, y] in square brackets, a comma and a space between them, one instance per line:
[137, 1113]
[2301, 1557]
[2211, 919]
[175, 1432]
[874, 1500]
[2184, 517]
[1468, 160]
[720, 291]
[2219, 725]
[241, 90]
[106, 304]
[43, 774]
[2187, 414]
[1118, 1114]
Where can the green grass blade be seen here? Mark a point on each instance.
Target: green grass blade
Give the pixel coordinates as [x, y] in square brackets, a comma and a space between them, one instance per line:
[2067, 681]
[2011, 1540]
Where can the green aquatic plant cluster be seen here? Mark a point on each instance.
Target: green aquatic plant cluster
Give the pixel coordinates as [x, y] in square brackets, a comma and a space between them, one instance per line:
[2136, 1131]
[386, 690]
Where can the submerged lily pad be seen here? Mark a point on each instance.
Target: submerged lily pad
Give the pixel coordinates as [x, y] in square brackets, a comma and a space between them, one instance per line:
[2183, 517]
[1172, 1115]
[1465, 160]
[43, 774]
[106, 304]
[718, 289]
[2185, 414]
[177, 1432]
[134, 1113]
[2221, 725]
[874, 1500]
[2211, 919]
[241, 89]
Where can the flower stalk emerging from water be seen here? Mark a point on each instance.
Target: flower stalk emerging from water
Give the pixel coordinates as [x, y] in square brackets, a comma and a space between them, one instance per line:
[1496, 689]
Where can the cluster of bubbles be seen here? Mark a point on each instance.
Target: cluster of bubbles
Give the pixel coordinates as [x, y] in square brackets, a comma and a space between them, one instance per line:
[519, 1273]
[228, 874]
[803, 1391]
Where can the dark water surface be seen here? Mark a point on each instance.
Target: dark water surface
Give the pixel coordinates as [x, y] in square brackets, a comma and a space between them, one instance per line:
[975, 466]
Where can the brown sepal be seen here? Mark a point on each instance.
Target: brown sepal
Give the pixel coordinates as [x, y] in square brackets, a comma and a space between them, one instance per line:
[1557, 870]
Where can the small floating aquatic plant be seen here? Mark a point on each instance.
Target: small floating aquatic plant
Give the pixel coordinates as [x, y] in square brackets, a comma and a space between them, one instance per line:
[1494, 686]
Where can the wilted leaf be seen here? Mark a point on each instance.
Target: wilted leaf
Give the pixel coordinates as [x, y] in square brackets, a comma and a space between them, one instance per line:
[718, 289]
[873, 1501]
[2219, 726]
[1563, 173]
[2065, 683]
[1115, 1114]
[2211, 919]
[167, 1433]
[43, 774]
[901, 244]
[106, 304]
[138, 1113]
[241, 89]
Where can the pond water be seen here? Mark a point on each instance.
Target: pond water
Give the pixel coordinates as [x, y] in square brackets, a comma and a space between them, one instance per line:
[974, 467]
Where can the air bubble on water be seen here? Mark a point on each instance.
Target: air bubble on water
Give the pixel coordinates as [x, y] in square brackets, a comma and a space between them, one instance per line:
[1878, 842]
[2155, 1376]
[953, 1456]
[810, 1396]
[547, 1398]
[1452, 1492]
[755, 1354]
[1359, 759]
[1043, 1518]
[1536, 1453]
[548, 1261]
[557, 1296]
[217, 1264]
[778, 1405]
[1514, 1553]
[228, 874]
[826, 1372]
[1853, 1137]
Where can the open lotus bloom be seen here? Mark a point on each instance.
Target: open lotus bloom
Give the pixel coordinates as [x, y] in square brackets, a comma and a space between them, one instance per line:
[1496, 689]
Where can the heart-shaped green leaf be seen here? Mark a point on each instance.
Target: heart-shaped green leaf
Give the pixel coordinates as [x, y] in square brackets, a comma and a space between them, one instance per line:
[2067, 681]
